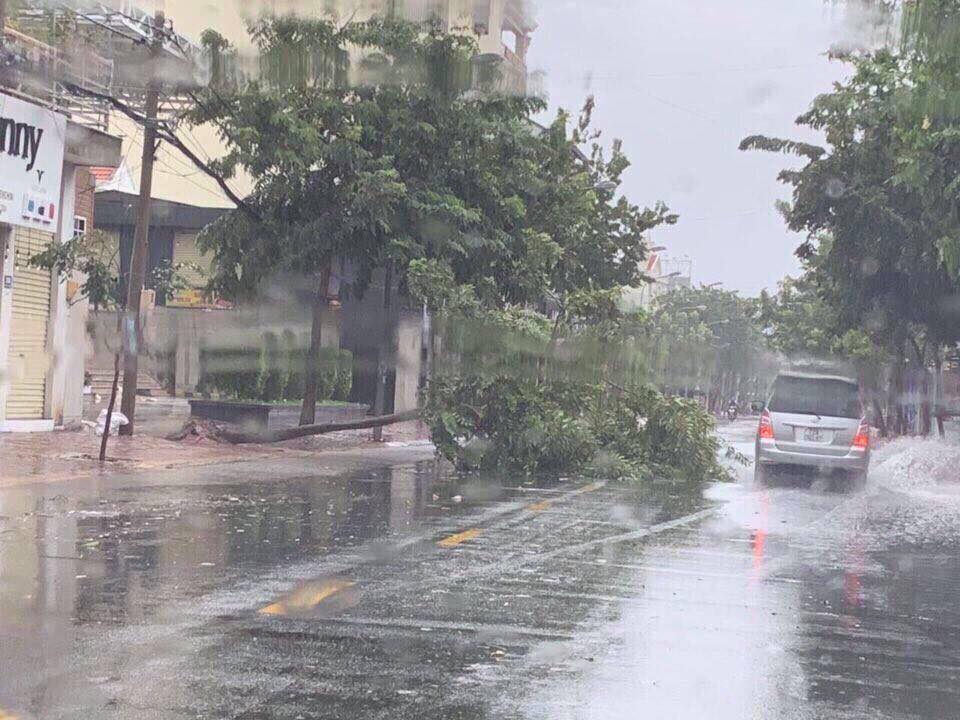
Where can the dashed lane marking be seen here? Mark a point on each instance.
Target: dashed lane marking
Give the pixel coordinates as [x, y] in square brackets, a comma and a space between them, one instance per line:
[459, 538]
[304, 598]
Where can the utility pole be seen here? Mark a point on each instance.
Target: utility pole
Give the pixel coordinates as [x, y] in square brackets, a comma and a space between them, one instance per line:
[132, 330]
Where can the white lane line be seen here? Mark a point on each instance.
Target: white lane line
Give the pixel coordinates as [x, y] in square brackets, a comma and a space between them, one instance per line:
[430, 625]
[666, 570]
[634, 535]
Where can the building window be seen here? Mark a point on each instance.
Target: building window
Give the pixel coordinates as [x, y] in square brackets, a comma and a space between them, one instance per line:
[79, 226]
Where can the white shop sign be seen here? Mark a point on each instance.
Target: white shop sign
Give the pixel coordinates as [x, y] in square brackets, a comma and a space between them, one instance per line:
[31, 163]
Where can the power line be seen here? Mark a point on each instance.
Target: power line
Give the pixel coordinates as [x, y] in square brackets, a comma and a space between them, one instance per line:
[182, 176]
[138, 41]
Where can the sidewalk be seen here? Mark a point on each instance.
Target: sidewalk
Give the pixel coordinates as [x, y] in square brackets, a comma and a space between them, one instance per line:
[64, 455]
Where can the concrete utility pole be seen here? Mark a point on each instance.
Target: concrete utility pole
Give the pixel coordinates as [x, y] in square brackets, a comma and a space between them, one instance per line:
[132, 330]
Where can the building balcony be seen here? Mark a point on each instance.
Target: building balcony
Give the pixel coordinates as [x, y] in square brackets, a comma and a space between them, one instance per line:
[34, 71]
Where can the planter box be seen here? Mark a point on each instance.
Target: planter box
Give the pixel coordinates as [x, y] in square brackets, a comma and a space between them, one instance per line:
[254, 416]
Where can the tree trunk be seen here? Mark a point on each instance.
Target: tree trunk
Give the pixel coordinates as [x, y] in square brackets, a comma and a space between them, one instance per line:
[110, 406]
[308, 410]
[925, 413]
[937, 390]
[275, 436]
[878, 419]
[431, 347]
[383, 351]
[895, 406]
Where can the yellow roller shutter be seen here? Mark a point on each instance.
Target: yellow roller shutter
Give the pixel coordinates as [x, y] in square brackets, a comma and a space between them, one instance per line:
[28, 359]
[185, 250]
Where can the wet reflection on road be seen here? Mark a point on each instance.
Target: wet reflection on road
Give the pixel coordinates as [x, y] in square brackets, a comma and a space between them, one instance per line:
[398, 591]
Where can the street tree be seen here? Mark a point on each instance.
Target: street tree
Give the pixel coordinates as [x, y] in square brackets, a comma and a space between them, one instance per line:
[874, 215]
[367, 144]
[709, 340]
[382, 144]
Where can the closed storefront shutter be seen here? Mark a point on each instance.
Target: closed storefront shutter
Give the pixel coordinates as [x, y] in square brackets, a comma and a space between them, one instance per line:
[185, 250]
[28, 359]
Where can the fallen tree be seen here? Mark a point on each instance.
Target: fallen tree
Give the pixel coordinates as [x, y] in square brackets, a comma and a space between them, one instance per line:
[223, 433]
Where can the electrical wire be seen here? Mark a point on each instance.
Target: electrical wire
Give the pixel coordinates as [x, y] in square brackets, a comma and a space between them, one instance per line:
[138, 41]
[174, 173]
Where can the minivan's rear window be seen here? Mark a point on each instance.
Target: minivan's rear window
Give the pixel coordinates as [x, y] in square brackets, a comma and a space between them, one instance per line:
[816, 396]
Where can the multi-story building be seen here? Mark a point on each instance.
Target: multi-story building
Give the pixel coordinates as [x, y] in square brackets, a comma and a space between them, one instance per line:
[502, 29]
[46, 142]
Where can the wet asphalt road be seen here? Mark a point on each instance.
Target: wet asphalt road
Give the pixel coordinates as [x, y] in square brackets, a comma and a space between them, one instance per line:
[371, 587]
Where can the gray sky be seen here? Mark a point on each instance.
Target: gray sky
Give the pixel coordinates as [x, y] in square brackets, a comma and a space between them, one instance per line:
[682, 82]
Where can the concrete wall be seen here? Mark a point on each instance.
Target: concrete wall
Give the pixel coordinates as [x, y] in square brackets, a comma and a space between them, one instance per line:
[177, 336]
[6, 310]
[390, 335]
[408, 359]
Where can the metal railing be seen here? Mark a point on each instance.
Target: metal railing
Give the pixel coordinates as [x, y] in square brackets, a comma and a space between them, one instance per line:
[38, 72]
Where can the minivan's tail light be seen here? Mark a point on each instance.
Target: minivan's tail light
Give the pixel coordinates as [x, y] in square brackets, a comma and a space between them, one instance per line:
[862, 438]
[766, 426]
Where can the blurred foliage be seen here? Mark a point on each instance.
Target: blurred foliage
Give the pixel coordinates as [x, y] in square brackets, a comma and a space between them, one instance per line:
[392, 153]
[709, 341]
[93, 260]
[513, 424]
[379, 143]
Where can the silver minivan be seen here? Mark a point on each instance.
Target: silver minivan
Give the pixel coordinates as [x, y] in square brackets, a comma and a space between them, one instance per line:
[816, 421]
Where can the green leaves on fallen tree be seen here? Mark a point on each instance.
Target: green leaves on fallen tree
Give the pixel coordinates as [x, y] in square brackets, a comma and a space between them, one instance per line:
[507, 423]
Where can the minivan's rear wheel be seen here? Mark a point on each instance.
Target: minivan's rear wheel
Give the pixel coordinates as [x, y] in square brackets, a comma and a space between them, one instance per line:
[859, 478]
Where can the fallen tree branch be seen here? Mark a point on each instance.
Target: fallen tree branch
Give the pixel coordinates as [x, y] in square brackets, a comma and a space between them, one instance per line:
[223, 434]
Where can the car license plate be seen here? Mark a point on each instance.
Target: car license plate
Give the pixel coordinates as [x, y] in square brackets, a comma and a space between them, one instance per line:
[813, 435]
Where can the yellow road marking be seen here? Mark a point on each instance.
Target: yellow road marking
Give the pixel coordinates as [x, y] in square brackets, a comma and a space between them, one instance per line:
[540, 506]
[455, 540]
[304, 598]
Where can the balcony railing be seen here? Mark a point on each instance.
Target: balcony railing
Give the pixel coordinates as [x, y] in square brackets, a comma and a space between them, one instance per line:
[32, 70]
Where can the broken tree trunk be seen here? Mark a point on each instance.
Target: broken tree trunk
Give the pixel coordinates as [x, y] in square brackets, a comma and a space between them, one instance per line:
[274, 436]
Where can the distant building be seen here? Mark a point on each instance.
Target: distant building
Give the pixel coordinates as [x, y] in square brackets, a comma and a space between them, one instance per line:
[503, 29]
[643, 296]
[108, 178]
[677, 272]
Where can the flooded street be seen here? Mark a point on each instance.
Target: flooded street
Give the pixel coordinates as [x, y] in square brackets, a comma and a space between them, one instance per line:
[373, 587]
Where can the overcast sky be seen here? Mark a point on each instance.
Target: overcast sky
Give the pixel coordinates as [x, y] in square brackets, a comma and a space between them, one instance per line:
[682, 82]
